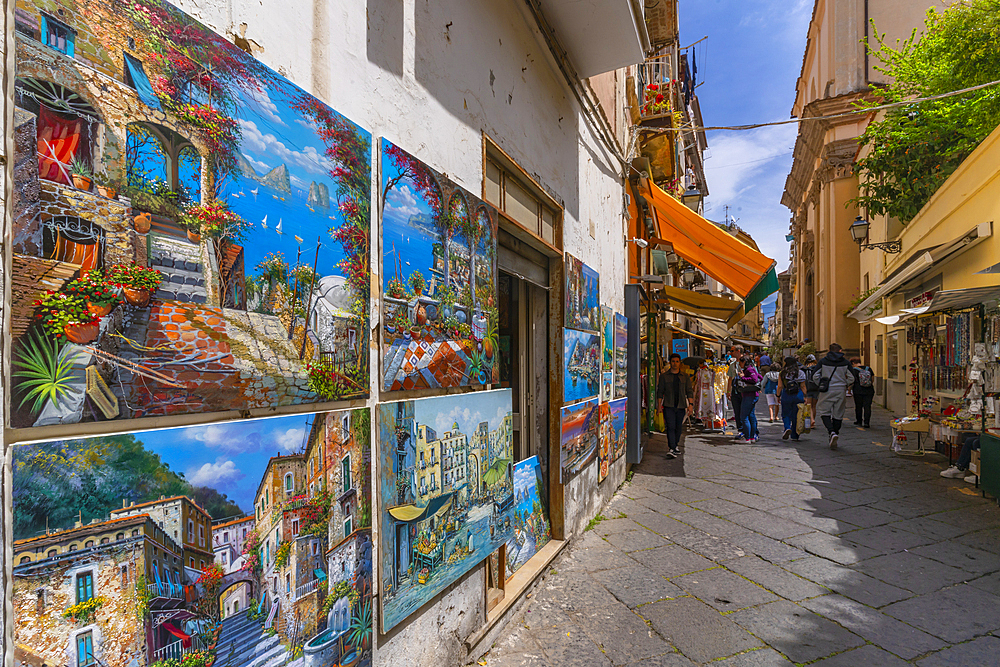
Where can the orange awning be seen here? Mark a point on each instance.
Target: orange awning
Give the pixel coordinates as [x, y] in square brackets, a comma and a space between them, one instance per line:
[709, 248]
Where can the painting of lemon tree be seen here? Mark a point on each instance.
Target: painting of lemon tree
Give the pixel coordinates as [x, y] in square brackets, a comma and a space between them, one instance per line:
[190, 229]
[439, 247]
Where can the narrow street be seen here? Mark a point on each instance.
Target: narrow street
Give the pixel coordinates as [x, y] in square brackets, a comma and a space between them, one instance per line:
[774, 554]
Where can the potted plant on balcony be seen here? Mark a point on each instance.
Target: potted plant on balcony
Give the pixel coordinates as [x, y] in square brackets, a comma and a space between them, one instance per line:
[106, 186]
[101, 296]
[82, 174]
[65, 315]
[137, 282]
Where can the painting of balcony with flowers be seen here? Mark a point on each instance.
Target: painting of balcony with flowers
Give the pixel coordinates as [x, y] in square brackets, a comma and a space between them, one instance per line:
[439, 246]
[191, 230]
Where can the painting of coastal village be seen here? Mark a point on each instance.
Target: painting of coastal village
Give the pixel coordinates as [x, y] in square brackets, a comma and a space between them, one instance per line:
[190, 229]
[241, 544]
[581, 365]
[580, 425]
[532, 530]
[446, 493]
[582, 296]
[439, 246]
[621, 360]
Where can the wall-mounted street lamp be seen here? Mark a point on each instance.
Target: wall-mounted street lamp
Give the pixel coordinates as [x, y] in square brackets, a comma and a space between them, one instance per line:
[642, 243]
[859, 232]
[691, 197]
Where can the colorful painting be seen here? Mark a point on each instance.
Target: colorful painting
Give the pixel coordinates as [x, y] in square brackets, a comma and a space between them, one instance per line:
[621, 358]
[579, 436]
[582, 296]
[532, 530]
[191, 230]
[581, 365]
[439, 247]
[607, 339]
[607, 385]
[605, 450]
[446, 493]
[187, 544]
[617, 432]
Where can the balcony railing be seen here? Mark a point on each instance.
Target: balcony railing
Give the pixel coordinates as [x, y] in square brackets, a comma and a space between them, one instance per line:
[306, 589]
[176, 650]
[165, 591]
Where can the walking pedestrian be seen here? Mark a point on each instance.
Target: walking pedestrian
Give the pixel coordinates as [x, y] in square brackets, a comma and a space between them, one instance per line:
[792, 391]
[674, 394]
[812, 389]
[834, 378]
[735, 397]
[748, 383]
[771, 377]
[864, 392]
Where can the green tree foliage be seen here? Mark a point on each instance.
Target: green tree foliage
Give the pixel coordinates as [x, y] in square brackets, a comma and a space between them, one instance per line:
[913, 149]
[64, 479]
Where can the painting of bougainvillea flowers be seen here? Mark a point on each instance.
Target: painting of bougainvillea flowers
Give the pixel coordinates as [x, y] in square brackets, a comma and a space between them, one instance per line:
[439, 305]
[191, 229]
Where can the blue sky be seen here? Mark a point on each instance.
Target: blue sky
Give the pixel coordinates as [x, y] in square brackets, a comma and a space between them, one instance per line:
[748, 65]
[469, 410]
[229, 457]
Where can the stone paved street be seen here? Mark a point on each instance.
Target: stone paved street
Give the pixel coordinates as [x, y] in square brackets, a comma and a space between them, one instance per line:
[774, 554]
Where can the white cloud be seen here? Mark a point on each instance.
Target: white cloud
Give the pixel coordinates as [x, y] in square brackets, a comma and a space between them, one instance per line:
[308, 159]
[262, 101]
[401, 203]
[216, 437]
[216, 474]
[747, 172]
[289, 440]
[466, 418]
[309, 124]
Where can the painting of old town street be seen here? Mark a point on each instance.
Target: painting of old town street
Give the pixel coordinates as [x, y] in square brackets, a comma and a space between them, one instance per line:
[439, 245]
[446, 493]
[582, 296]
[617, 432]
[581, 365]
[191, 230]
[207, 544]
[578, 439]
[532, 530]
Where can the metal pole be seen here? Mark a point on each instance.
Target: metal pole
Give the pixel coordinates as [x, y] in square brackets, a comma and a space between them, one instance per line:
[312, 283]
[295, 293]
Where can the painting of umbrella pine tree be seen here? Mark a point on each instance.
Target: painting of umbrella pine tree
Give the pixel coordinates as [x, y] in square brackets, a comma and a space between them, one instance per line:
[446, 493]
[439, 248]
[191, 229]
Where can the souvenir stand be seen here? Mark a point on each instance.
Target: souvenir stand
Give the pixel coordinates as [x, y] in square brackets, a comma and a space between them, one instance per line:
[709, 399]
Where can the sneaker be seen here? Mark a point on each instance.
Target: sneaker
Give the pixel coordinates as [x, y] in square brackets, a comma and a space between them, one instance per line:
[787, 434]
[953, 472]
[971, 479]
[675, 451]
[833, 440]
[867, 426]
[671, 455]
[857, 423]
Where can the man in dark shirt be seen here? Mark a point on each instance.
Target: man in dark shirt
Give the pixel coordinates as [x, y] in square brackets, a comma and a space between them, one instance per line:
[674, 393]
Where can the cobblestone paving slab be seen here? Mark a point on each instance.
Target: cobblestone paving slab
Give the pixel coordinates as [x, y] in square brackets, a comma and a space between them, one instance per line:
[773, 554]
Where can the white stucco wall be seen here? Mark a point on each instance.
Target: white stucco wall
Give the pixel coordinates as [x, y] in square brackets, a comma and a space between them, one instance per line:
[432, 77]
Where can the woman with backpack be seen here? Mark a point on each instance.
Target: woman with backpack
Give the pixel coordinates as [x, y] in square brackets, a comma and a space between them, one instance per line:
[771, 376]
[864, 392]
[748, 383]
[791, 390]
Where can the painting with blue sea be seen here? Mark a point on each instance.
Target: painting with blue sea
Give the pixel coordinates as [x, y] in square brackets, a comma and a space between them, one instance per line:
[532, 530]
[581, 365]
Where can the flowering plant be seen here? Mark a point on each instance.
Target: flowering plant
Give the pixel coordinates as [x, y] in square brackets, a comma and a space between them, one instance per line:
[134, 276]
[55, 310]
[95, 288]
[214, 219]
[396, 289]
[657, 98]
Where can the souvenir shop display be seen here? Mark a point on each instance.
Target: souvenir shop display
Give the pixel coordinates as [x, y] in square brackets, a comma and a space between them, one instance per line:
[709, 396]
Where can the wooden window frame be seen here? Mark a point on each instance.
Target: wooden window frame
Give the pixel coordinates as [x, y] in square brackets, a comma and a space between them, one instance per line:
[509, 168]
